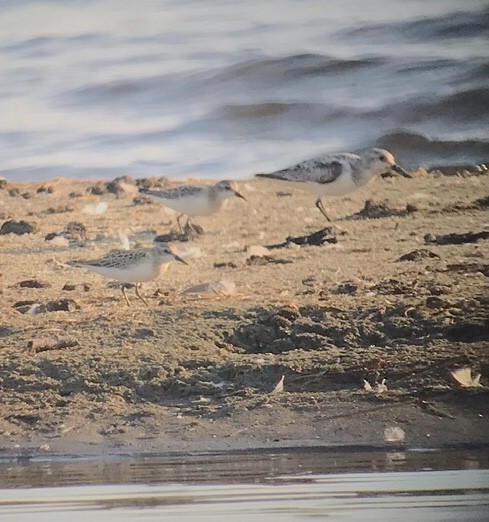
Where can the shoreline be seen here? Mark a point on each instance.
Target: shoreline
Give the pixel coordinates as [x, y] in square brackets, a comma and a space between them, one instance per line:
[196, 370]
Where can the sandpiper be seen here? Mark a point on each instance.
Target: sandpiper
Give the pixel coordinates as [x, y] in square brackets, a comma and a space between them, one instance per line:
[131, 266]
[192, 201]
[337, 174]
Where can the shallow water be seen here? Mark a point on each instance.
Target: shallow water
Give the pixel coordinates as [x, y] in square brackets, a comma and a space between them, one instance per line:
[289, 485]
[226, 89]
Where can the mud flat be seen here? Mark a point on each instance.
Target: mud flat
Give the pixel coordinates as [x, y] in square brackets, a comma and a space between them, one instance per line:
[399, 293]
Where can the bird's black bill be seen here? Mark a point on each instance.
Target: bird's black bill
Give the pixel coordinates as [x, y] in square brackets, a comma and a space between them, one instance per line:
[238, 195]
[400, 171]
[180, 259]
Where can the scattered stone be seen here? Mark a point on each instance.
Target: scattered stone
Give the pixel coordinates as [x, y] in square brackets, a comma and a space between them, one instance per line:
[265, 260]
[373, 210]
[50, 236]
[3, 182]
[142, 333]
[152, 182]
[345, 287]
[27, 195]
[33, 307]
[13, 192]
[75, 231]
[44, 344]
[325, 235]
[417, 255]
[434, 302]
[45, 188]
[142, 200]
[228, 264]
[96, 190]
[394, 287]
[171, 236]
[75, 195]
[70, 287]
[469, 268]
[33, 283]
[456, 239]
[60, 210]
[17, 227]
[459, 170]
[121, 186]
[481, 203]
[477, 204]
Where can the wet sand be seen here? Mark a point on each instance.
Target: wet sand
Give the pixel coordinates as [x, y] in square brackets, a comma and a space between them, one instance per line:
[401, 296]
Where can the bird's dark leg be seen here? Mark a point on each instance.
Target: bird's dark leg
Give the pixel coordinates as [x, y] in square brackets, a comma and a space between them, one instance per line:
[320, 206]
[139, 295]
[123, 288]
[192, 230]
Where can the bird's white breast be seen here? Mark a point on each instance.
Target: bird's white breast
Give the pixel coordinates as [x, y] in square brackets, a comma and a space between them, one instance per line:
[144, 270]
[194, 205]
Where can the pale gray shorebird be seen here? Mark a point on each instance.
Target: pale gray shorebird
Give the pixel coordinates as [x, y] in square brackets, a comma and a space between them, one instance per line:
[337, 174]
[193, 201]
[131, 266]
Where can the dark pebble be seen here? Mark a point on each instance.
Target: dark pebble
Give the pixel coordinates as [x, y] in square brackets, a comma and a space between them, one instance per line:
[456, 239]
[33, 283]
[96, 190]
[228, 264]
[17, 227]
[434, 302]
[417, 255]
[142, 333]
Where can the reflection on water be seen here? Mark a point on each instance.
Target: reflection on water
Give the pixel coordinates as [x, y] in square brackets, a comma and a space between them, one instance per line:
[295, 485]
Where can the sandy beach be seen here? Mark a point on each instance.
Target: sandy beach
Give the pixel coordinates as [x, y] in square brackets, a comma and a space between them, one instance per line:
[398, 292]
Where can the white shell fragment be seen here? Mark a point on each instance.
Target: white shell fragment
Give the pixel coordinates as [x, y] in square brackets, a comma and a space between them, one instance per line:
[464, 378]
[279, 387]
[394, 434]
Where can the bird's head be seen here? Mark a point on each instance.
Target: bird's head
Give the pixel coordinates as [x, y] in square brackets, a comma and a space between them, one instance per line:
[381, 161]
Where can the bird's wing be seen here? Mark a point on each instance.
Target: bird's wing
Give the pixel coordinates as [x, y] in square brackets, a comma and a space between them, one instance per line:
[320, 170]
[117, 258]
[173, 193]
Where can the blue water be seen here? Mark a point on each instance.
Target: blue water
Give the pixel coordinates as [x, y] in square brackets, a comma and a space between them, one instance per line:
[225, 89]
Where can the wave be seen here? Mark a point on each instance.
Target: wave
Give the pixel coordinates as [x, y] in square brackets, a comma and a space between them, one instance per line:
[293, 66]
[458, 24]
[297, 112]
[412, 149]
[465, 106]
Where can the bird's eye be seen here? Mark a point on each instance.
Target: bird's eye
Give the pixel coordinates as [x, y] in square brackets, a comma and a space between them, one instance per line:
[382, 157]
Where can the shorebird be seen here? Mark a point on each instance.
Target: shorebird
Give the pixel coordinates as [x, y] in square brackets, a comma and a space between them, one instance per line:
[131, 266]
[337, 174]
[192, 201]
